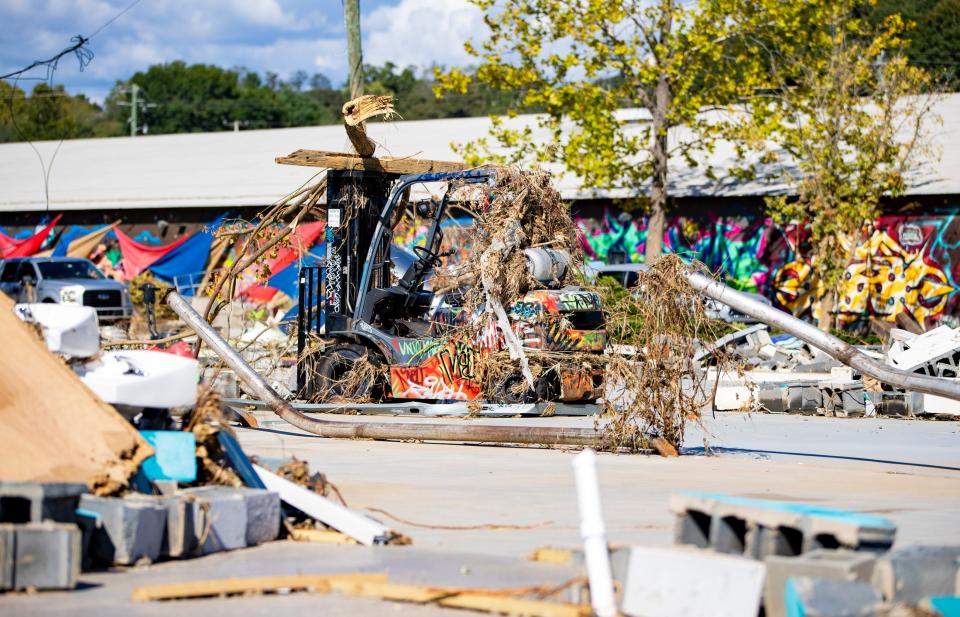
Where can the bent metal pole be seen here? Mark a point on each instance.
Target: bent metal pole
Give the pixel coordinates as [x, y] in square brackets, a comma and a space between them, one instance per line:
[371, 430]
[844, 352]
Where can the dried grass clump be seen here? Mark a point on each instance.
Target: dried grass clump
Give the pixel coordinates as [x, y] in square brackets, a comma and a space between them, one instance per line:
[361, 384]
[652, 393]
[205, 422]
[524, 211]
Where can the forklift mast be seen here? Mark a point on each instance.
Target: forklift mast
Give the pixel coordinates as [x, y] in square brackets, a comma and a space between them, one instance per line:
[355, 200]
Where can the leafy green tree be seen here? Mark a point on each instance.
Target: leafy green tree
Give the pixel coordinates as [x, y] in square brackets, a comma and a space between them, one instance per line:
[848, 117]
[581, 62]
[47, 113]
[934, 40]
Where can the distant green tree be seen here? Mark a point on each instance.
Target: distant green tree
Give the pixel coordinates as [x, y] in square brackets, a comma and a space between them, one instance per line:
[934, 42]
[47, 113]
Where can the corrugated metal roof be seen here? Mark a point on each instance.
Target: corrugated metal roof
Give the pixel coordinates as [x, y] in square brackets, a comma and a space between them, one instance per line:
[230, 169]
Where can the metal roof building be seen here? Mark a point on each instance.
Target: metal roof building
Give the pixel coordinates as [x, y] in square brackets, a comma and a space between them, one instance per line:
[237, 169]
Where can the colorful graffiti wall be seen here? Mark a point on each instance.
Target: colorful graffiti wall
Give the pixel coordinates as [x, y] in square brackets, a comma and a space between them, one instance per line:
[905, 263]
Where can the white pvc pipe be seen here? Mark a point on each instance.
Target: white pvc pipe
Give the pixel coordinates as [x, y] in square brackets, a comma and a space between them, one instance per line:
[594, 534]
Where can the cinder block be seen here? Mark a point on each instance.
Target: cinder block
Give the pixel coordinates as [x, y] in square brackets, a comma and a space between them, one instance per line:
[763, 541]
[47, 556]
[839, 565]
[221, 520]
[758, 528]
[692, 527]
[843, 398]
[910, 574]
[32, 502]
[666, 582]
[130, 530]
[263, 515]
[7, 555]
[820, 597]
[180, 539]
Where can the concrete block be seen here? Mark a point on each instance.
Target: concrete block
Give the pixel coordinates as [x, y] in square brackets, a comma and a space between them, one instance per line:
[819, 597]
[130, 530]
[910, 574]
[733, 397]
[47, 556]
[7, 555]
[221, 520]
[907, 404]
[843, 398]
[758, 528]
[263, 515]
[839, 565]
[32, 502]
[664, 582]
[180, 538]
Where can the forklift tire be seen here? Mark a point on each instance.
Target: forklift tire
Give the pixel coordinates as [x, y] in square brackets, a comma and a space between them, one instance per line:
[335, 363]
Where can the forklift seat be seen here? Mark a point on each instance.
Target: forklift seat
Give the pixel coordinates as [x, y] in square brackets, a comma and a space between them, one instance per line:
[389, 303]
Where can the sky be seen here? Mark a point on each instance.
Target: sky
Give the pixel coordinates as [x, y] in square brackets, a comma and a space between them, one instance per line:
[282, 36]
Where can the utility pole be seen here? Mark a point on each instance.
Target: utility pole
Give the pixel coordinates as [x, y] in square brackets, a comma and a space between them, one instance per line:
[351, 17]
[134, 106]
[136, 102]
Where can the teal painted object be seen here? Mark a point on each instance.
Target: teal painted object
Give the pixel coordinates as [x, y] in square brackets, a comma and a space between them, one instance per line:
[175, 458]
[792, 603]
[856, 518]
[948, 606]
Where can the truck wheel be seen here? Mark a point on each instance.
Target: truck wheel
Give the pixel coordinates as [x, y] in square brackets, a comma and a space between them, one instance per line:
[348, 373]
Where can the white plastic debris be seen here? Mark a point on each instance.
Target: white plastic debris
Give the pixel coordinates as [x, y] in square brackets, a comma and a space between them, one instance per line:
[939, 348]
[70, 331]
[141, 378]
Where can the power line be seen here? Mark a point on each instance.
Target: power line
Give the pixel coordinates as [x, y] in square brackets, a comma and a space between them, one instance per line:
[114, 18]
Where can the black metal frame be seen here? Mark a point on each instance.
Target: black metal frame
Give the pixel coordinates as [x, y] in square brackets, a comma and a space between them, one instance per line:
[309, 315]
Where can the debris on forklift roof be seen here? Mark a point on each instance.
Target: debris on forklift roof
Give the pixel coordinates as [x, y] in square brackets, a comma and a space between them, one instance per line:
[355, 114]
[352, 162]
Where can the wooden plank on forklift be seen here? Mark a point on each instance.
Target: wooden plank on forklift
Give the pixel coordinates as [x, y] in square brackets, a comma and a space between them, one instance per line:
[352, 162]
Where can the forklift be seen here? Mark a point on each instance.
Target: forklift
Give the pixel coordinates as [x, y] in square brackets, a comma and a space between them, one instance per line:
[363, 309]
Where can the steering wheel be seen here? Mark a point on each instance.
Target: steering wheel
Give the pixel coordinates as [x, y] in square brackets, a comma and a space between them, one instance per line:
[425, 254]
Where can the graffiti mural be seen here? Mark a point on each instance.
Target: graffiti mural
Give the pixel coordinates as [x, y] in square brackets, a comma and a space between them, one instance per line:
[905, 263]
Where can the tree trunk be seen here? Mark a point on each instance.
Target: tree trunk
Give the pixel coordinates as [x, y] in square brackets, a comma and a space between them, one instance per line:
[659, 150]
[351, 17]
[827, 302]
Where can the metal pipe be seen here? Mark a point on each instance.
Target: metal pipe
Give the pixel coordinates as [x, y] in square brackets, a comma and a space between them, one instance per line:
[844, 352]
[371, 430]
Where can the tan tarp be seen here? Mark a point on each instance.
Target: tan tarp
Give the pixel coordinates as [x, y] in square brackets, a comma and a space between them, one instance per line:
[52, 428]
[84, 245]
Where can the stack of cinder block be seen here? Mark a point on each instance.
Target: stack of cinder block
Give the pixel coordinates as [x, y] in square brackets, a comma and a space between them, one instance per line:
[40, 542]
[813, 561]
[195, 521]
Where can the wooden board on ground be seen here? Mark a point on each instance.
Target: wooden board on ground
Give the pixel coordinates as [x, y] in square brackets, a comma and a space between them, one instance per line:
[501, 601]
[352, 162]
[54, 428]
[243, 586]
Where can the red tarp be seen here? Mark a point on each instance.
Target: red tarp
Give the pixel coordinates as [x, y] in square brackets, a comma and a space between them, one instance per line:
[301, 240]
[11, 247]
[138, 257]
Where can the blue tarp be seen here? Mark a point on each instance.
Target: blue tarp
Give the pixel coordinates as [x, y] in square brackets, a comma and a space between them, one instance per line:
[286, 279]
[189, 257]
[75, 231]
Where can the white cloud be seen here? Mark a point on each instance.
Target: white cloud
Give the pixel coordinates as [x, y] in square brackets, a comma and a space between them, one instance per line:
[282, 36]
[421, 32]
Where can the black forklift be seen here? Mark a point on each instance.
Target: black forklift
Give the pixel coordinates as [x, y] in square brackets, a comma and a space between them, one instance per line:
[362, 308]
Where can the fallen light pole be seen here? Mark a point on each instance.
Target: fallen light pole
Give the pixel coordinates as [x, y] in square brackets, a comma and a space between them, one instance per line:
[844, 352]
[372, 430]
